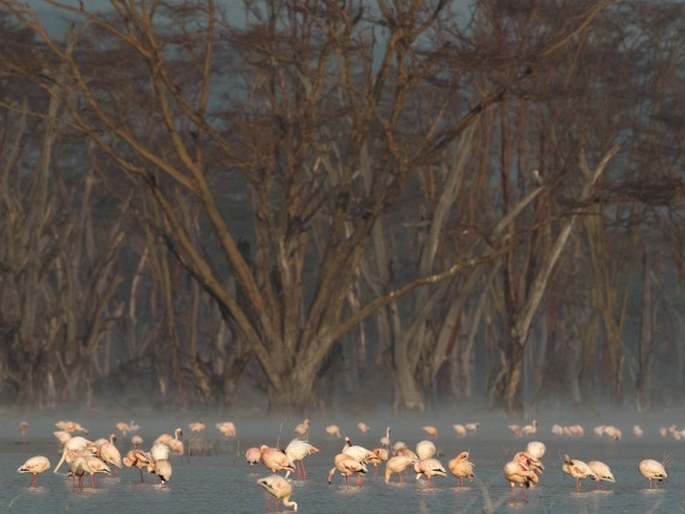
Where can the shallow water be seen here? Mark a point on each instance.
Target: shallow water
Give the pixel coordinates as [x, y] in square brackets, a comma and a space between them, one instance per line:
[222, 482]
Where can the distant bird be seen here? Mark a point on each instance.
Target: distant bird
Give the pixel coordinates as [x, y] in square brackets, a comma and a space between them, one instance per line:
[472, 427]
[537, 449]
[460, 430]
[174, 442]
[385, 440]
[35, 465]
[197, 426]
[125, 428]
[429, 468]
[430, 430]
[302, 429]
[275, 459]
[136, 441]
[24, 428]
[461, 467]
[574, 430]
[253, 455]
[347, 465]
[226, 428]
[70, 426]
[334, 430]
[578, 470]
[653, 471]
[637, 431]
[520, 431]
[397, 464]
[296, 451]
[602, 472]
[363, 427]
[279, 488]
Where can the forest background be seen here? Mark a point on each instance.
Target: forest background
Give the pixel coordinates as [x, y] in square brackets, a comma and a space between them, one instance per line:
[315, 204]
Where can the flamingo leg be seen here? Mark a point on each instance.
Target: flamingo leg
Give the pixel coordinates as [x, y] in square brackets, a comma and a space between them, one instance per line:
[269, 498]
[347, 481]
[34, 481]
[142, 479]
[359, 479]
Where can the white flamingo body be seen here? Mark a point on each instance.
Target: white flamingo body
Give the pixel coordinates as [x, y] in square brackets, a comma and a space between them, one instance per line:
[35, 465]
[653, 471]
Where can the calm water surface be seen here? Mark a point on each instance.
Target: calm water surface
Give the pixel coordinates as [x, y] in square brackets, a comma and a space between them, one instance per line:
[222, 482]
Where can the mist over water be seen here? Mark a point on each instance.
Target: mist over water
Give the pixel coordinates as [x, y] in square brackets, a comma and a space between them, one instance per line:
[223, 482]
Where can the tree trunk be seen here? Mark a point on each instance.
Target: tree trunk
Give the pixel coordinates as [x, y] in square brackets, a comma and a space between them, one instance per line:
[643, 385]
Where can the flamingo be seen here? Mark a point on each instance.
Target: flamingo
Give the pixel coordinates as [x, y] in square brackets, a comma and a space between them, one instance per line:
[518, 475]
[522, 471]
[226, 428]
[537, 449]
[95, 465]
[460, 430]
[425, 449]
[302, 429]
[173, 442]
[461, 467]
[74, 444]
[279, 488]
[530, 429]
[125, 428]
[401, 449]
[253, 455]
[397, 464]
[197, 426]
[296, 451]
[637, 431]
[70, 426]
[385, 440]
[653, 471]
[429, 468]
[430, 430]
[137, 459]
[380, 455]
[601, 471]
[136, 441]
[162, 468]
[363, 427]
[109, 453]
[334, 430]
[578, 470]
[275, 459]
[24, 428]
[62, 436]
[358, 452]
[347, 465]
[472, 427]
[35, 465]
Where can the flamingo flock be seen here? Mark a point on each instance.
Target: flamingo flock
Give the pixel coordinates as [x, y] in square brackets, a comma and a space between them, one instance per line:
[88, 458]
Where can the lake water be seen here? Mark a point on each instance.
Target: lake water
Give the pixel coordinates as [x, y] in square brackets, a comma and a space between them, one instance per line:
[223, 482]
